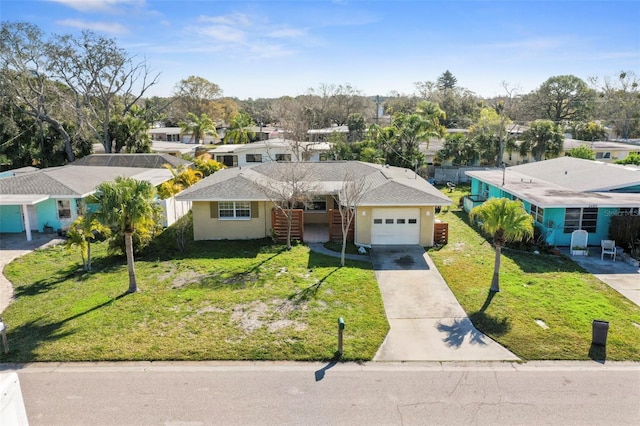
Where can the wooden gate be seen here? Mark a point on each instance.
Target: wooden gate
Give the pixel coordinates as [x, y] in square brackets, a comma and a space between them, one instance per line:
[279, 224]
[440, 233]
[335, 226]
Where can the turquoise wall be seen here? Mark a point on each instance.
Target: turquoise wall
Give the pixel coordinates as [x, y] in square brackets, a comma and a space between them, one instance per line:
[11, 219]
[553, 219]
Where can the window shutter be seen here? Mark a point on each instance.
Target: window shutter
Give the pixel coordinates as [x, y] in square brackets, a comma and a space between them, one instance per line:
[213, 207]
[255, 213]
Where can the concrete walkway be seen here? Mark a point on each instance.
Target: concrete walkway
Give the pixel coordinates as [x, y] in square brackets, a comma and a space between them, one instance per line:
[427, 322]
[13, 246]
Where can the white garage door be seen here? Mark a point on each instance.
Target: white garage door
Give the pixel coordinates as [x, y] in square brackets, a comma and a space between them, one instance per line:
[395, 226]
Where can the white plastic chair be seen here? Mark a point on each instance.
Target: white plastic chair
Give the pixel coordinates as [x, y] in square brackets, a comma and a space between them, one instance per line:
[608, 247]
[579, 241]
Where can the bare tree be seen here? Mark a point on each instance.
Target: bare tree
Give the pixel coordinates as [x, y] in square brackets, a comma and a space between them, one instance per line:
[99, 73]
[289, 186]
[27, 80]
[348, 199]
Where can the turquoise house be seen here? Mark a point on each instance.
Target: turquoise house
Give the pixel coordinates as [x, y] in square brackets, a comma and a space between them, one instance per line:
[48, 200]
[563, 194]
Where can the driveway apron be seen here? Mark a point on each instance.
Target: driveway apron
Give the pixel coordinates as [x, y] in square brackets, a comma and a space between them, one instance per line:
[426, 321]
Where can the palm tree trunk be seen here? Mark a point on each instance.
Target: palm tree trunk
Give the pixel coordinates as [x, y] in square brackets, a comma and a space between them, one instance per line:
[88, 268]
[495, 281]
[128, 244]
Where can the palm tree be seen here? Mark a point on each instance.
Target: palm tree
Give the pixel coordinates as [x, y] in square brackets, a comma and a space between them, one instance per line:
[238, 131]
[507, 221]
[81, 232]
[124, 205]
[544, 139]
[199, 126]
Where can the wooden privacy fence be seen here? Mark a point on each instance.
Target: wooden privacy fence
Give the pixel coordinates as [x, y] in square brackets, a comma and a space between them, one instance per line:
[279, 224]
[335, 226]
[440, 233]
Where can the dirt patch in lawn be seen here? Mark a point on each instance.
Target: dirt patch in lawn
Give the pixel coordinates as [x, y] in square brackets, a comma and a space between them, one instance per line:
[272, 315]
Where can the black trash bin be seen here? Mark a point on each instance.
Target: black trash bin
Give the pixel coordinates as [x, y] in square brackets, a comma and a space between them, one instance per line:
[599, 332]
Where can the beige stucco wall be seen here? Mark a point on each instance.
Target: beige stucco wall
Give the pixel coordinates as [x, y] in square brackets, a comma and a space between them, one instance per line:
[207, 228]
[363, 225]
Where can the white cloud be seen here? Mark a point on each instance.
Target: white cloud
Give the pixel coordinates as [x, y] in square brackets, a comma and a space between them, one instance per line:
[287, 33]
[232, 19]
[99, 5]
[224, 33]
[103, 27]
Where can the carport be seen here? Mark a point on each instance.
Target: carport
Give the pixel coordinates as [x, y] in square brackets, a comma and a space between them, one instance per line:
[24, 201]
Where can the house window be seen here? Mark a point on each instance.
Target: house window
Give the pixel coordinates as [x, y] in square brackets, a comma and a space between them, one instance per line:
[580, 218]
[324, 156]
[283, 157]
[629, 211]
[234, 210]
[377, 221]
[318, 203]
[537, 213]
[603, 155]
[228, 160]
[254, 158]
[64, 209]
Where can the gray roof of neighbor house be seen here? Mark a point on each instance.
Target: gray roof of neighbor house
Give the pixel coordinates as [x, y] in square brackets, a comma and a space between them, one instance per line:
[600, 145]
[384, 185]
[71, 181]
[131, 160]
[567, 182]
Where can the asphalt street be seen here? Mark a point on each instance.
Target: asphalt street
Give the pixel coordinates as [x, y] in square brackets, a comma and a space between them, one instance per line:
[555, 393]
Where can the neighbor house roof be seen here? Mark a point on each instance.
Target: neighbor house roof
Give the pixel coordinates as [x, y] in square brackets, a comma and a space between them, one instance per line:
[384, 185]
[271, 143]
[131, 160]
[71, 181]
[567, 182]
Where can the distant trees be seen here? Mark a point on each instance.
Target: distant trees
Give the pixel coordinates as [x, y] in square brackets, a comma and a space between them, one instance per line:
[561, 98]
[461, 106]
[237, 133]
[543, 139]
[619, 104]
[74, 86]
[198, 127]
[582, 151]
[589, 131]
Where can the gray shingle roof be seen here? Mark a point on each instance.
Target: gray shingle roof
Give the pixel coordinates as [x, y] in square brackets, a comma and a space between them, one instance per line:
[73, 181]
[385, 185]
[148, 161]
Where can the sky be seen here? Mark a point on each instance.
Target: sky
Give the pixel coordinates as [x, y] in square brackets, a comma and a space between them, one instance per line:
[268, 49]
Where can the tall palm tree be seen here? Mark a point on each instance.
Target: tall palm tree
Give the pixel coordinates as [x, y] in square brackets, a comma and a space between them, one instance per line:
[506, 220]
[238, 130]
[123, 205]
[199, 126]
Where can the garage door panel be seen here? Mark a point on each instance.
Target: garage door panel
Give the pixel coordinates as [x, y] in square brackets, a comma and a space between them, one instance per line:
[395, 226]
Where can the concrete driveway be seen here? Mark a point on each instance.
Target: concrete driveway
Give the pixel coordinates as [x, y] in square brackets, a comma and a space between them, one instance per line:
[427, 322]
[13, 246]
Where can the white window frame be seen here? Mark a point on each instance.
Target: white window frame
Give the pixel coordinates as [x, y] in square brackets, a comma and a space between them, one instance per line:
[237, 208]
[60, 204]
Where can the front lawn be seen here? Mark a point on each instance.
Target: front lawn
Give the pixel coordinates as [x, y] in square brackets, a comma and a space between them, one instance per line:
[226, 300]
[552, 290]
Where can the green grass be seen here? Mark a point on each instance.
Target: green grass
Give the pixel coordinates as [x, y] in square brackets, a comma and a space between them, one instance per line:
[553, 289]
[227, 300]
